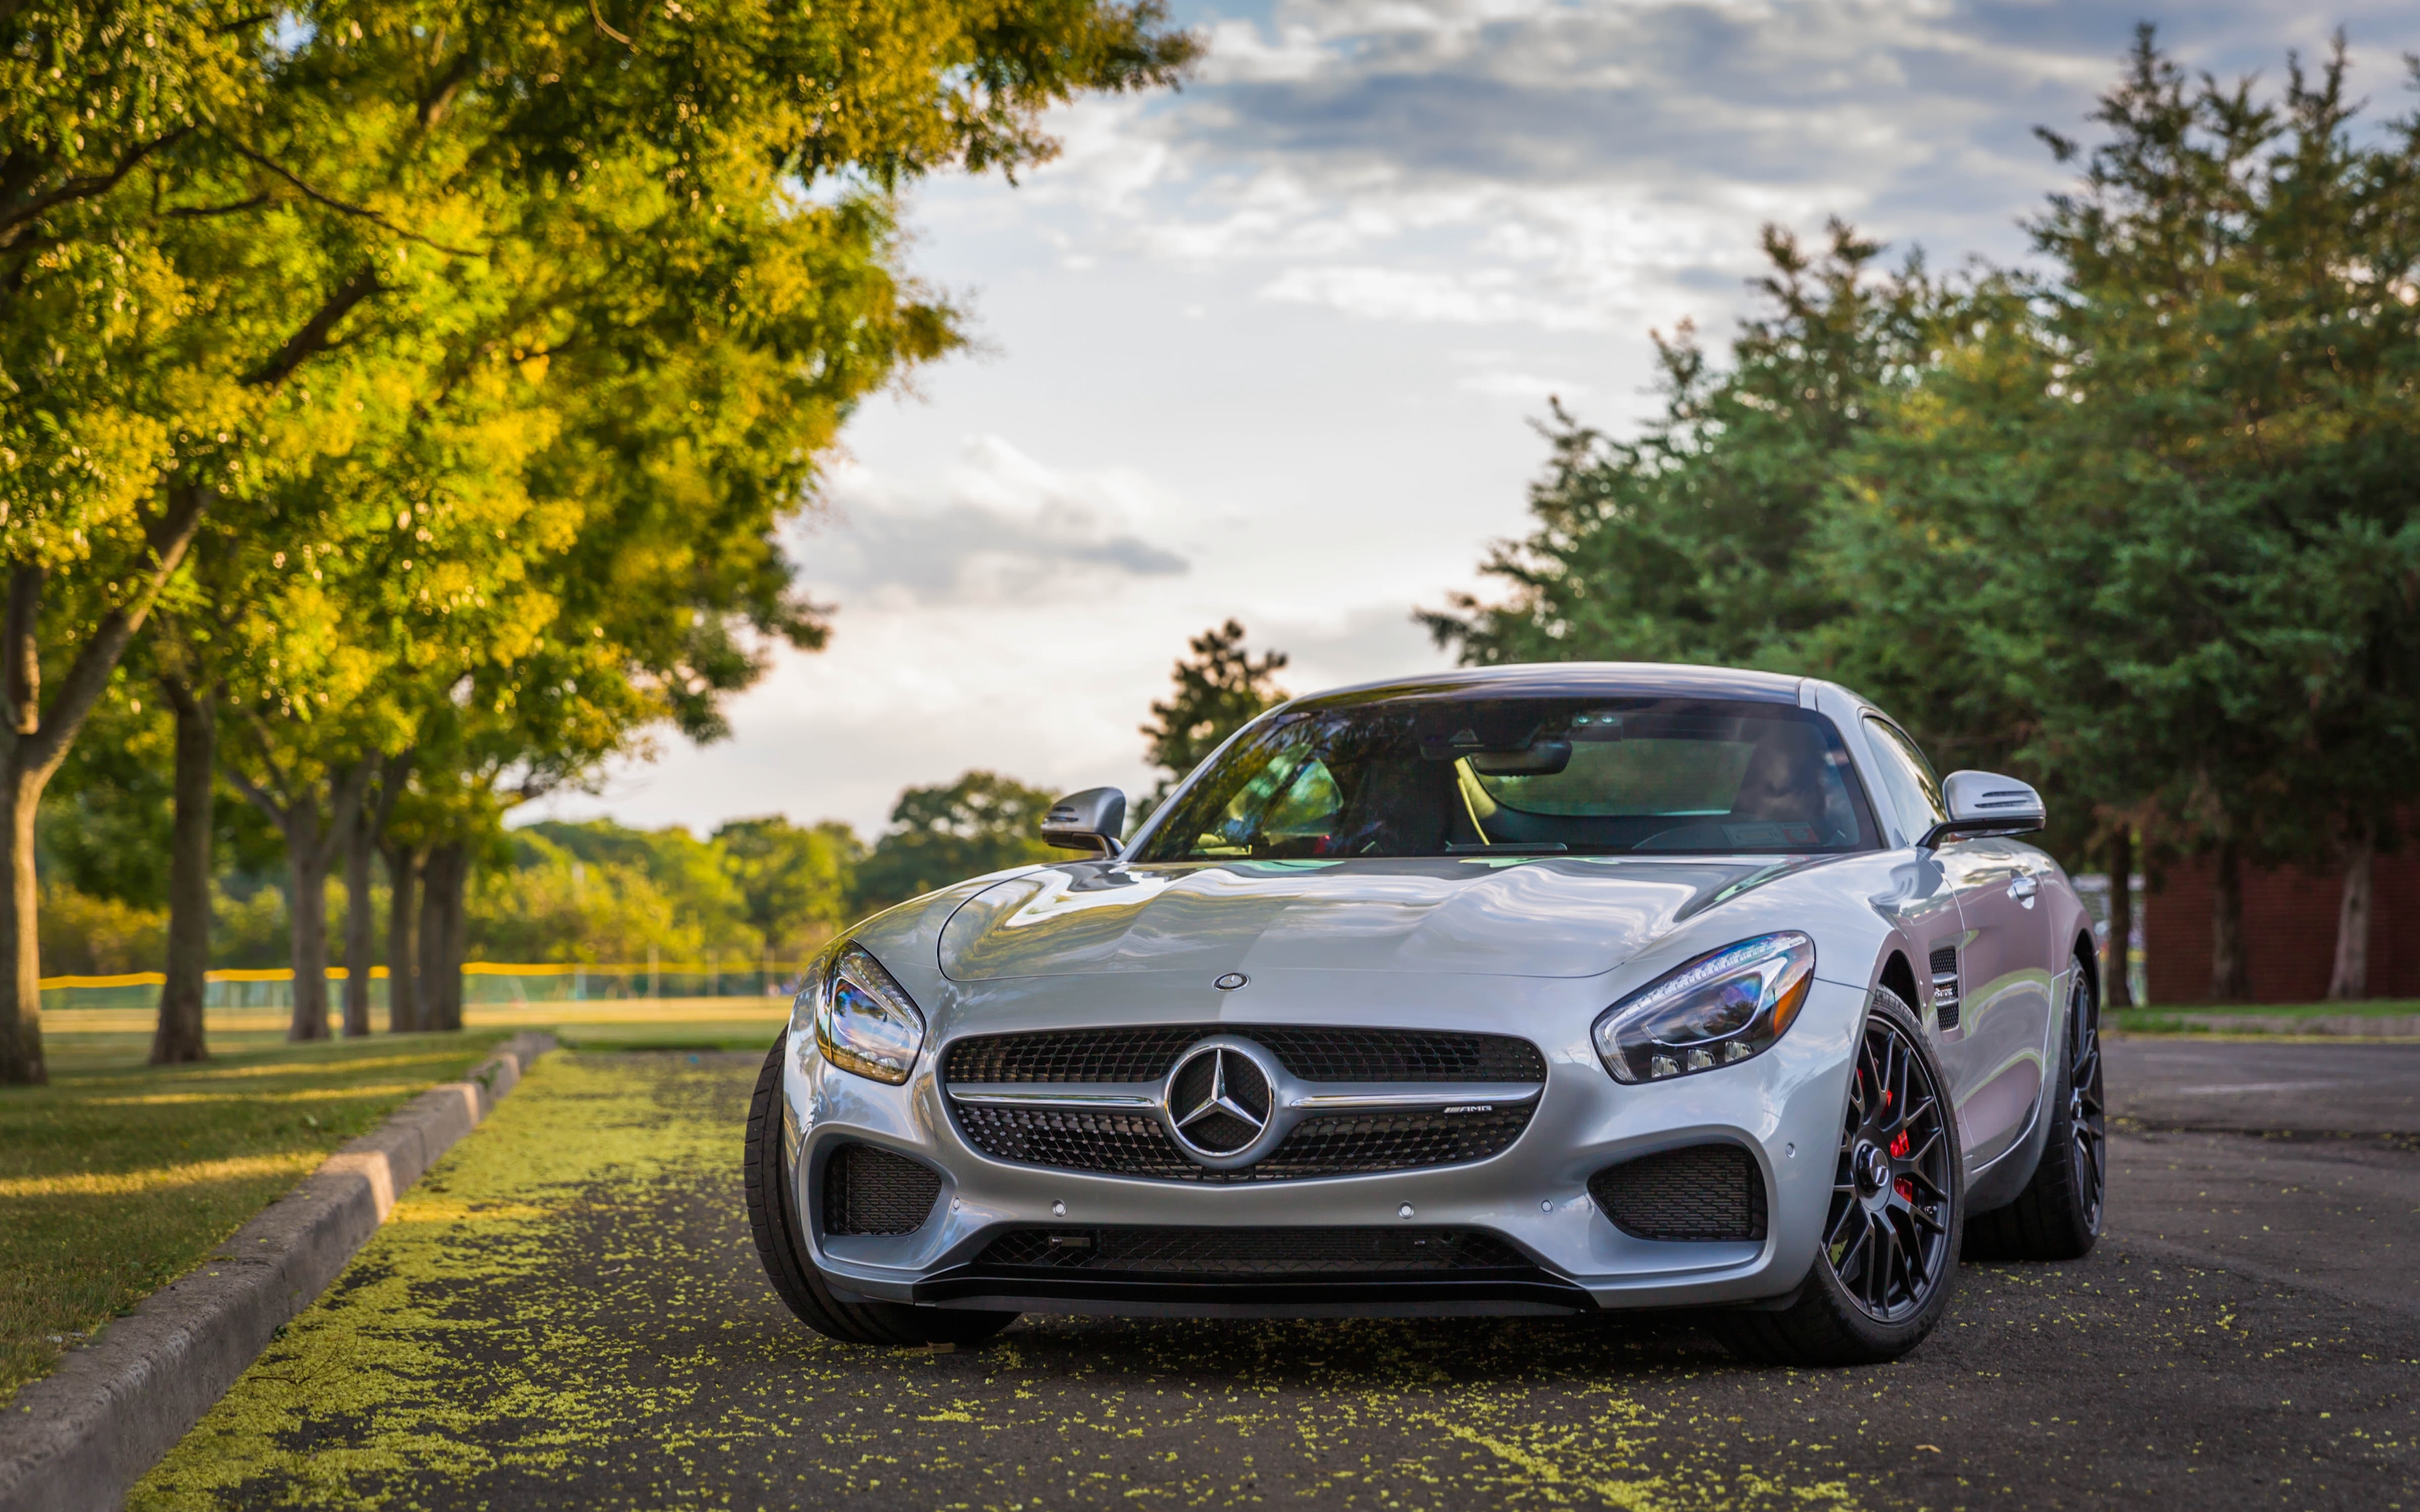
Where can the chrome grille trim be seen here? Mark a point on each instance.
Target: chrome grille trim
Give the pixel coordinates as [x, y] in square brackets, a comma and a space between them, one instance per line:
[1435, 1098]
[1316, 1097]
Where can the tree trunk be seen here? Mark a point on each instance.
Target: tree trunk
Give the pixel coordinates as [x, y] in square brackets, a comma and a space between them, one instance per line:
[2351, 978]
[306, 919]
[312, 846]
[178, 1038]
[457, 881]
[442, 878]
[22, 780]
[358, 939]
[2117, 978]
[21, 959]
[2230, 974]
[403, 1014]
[34, 740]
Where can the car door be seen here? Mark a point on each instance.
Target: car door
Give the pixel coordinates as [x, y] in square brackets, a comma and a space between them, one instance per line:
[1988, 998]
[2007, 988]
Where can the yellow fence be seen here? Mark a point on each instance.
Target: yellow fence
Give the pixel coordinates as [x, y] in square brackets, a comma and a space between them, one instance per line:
[483, 981]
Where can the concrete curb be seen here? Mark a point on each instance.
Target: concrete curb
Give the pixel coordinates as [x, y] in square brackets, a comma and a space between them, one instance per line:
[81, 1437]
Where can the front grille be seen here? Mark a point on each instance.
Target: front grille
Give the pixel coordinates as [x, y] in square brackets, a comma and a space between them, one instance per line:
[1250, 1251]
[1315, 1054]
[868, 1190]
[1699, 1191]
[1341, 1144]
[1128, 1144]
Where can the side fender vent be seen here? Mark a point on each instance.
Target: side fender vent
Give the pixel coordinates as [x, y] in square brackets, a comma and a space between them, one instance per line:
[1697, 1192]
[1945, 1002]
[869, 1190]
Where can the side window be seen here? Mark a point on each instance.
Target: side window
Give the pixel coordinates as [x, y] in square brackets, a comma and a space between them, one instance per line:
[1915, 792]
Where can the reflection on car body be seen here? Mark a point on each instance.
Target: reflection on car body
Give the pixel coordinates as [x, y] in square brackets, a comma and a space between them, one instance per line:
[1534, 989]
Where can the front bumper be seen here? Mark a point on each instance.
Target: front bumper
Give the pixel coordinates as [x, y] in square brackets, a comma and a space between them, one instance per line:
[1783, 1106]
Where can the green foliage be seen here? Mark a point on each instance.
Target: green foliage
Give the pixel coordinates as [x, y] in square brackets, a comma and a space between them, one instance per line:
[83, 935]
[2138, 526]
[487, 348]
[598, 891]
[793, 881]
[1220, 689]
[983, 821]
[104, 831]
[2168, 486]
[1689, 542]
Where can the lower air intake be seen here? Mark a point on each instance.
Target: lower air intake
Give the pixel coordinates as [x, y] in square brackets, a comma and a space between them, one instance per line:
[1699, 1191]
[868, 1190]
[1247, 1253]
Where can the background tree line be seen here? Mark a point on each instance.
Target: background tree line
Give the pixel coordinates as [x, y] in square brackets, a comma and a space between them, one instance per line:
[762, 889]
[2135, 520]
[401, 402]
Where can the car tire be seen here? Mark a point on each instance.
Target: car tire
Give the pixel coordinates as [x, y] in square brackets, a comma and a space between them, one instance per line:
[1830, 1321]
[2058, 1215]
[773, 1218]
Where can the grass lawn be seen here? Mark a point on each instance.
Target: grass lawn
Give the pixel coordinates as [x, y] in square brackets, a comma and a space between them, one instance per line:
[118, 1177]
[2205, 1018]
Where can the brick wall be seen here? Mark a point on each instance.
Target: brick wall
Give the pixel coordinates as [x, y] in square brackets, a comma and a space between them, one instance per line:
[2290, 925]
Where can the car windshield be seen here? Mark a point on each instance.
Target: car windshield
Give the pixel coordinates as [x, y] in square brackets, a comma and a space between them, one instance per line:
[1521, 777]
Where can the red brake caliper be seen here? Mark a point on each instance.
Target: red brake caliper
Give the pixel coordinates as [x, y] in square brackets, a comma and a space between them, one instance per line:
[1899, 1149]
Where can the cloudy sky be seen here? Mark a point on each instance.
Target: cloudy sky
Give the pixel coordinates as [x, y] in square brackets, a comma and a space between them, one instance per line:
[1269, 347]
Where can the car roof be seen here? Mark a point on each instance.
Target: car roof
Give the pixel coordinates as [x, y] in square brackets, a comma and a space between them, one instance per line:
[1571, 679]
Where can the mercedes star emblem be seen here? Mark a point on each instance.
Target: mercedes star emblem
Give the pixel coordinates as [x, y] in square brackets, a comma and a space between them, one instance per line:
[1229, 982]
[1219, 1101]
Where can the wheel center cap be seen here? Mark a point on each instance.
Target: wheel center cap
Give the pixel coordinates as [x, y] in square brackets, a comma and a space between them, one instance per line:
[1872, 1170]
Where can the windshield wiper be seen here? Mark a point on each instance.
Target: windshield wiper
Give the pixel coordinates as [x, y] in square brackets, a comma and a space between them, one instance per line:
[1540, 847]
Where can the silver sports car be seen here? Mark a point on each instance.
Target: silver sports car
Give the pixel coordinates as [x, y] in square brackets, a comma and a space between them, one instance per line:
[1544, 989]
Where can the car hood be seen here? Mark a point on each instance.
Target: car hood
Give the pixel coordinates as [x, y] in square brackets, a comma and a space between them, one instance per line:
[1546, 916]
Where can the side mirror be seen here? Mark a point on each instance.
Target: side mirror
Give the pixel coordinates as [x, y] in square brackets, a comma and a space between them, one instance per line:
[1088, 821]
[1986, 803]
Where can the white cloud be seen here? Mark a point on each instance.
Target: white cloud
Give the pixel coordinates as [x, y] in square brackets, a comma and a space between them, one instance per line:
[1529, 389]
[1487, 296]
[1603, 165]
[1266, 344]
[997, 527]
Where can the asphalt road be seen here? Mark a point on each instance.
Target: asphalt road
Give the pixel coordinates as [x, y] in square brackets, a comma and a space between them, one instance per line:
[568, 1313]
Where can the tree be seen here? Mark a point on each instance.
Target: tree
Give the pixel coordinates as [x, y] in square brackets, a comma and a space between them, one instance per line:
[793, 880]
[1221, 689]
[2168, 481]
[983, 821]
[214, 249]
[1689, 542]
[2135, 525]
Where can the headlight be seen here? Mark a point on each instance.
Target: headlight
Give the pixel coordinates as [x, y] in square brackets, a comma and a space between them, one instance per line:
[865, 1021]
[1721, 1007]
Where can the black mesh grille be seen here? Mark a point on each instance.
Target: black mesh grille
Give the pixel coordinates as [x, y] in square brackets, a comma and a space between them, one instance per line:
[1333, 1145]
[1250, 1251]
[1945, 1006]
[1699, 1191]
[868, 1190]
[1341, 1144]
[1315, 1054]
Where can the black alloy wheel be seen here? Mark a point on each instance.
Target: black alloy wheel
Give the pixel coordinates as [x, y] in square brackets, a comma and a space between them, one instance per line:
[1889, 1247]
[2087, 1122]
[2059, 1213]
[1887, 1236]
